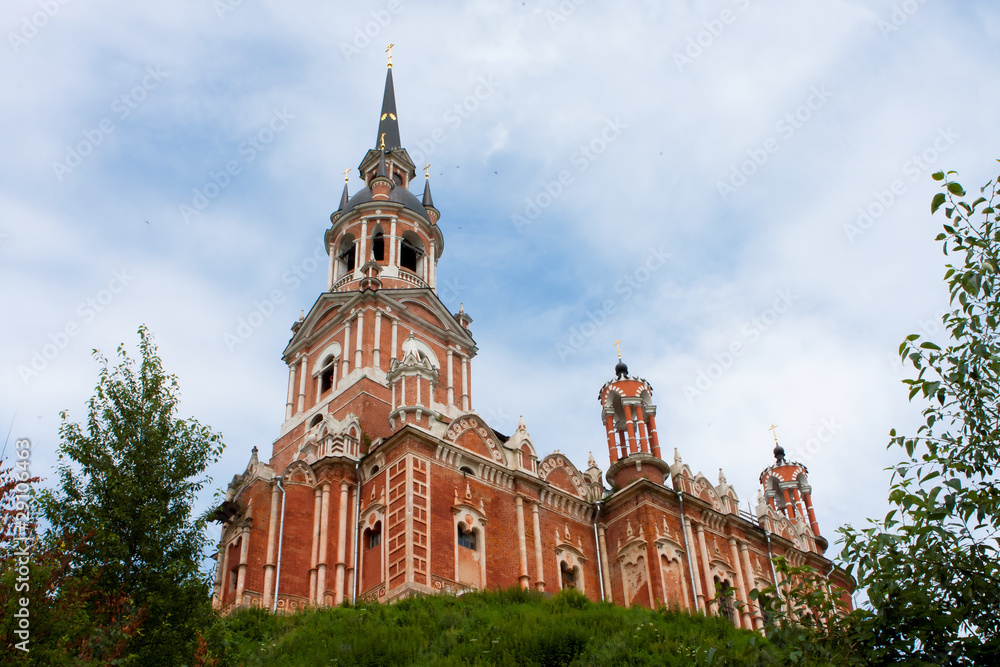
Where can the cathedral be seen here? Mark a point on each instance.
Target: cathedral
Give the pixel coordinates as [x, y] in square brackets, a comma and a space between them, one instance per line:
[385, 483]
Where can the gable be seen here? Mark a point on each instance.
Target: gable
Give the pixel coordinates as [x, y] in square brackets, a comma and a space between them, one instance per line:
[472, 434]
[558, 471]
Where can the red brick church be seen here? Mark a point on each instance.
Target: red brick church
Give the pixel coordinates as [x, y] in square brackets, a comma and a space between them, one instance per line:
[384, 482]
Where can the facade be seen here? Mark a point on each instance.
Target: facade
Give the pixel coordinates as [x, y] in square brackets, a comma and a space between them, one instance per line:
[384, 482]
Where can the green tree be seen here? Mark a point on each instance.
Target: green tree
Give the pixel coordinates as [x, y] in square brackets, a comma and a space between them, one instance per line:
[126, 488]
[930, 567]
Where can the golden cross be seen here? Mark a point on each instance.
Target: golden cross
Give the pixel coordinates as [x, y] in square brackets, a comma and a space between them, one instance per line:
[774, 432]
[346, 172]
[618, 344]
[389, 51]
[427, 170]
[382, 140]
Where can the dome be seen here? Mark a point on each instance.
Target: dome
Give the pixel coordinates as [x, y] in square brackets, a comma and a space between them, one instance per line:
[621, 370]
[398, 194]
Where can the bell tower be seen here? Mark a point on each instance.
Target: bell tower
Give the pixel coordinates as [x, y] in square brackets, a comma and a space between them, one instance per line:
[787, 491]
[630, 420]
[378, 343]
[384, 236]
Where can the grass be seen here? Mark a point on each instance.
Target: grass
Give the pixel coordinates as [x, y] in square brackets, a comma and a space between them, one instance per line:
[507, 627]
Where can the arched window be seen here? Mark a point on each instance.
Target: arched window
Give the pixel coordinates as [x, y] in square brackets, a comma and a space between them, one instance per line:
[567, 576]
[326, 375]
[373, 472]
[466, 470]
[725, 593]
[347, 253]
[411, 250]
[374, 536]
[466, 538]
[378, 246]
[316, 421]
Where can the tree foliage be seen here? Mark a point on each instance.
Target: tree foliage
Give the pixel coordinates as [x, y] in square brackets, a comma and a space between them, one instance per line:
[126, 488]
[930, 566]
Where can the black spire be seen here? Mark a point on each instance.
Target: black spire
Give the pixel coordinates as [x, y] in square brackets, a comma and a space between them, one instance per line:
[428, 200]
[343, 198]
[381, 170]
[621, 370]
[779, 454]
[388, 126]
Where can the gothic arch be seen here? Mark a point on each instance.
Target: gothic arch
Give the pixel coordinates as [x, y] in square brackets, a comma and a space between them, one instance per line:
[560, 472]
[472, 434]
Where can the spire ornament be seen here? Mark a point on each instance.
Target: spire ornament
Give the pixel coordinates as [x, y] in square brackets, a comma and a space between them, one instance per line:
[388, 50]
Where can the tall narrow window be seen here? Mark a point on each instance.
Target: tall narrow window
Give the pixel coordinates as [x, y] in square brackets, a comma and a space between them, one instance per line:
[567, 576]
[408, 256]
[466, 538]
[378, 247]
[347, 257]
[375, 536]
[326, 376]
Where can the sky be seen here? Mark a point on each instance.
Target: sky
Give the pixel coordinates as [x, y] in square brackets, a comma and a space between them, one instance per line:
[739, 190]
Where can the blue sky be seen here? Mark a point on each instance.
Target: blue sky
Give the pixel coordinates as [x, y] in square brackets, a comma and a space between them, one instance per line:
[693, 176]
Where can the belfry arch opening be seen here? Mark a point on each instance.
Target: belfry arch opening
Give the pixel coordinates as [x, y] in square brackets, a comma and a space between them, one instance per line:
[411, 253]
[378, 244]
[347, 254]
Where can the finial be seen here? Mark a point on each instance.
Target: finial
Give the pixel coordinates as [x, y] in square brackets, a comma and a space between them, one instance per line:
[348, 170]
[774, 432]
[302, 316]
[382, 142]
[427, 170]
[388, 50]
[461, 308]
[618, 346]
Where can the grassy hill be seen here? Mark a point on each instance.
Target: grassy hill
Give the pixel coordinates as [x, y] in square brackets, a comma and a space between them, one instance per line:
[510, 627]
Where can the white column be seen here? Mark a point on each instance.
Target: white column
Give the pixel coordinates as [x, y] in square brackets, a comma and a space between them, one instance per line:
[331, 276]
[303, 360]
[539, 569]
[363, 243]
[360, 346]
[317, 513]
[710, 609]
[347, 349]
[392, 244]
[742, 593]
[241, 580]
[451, 378]
[522, 549]
[465, 383]
[289, 406]
[432, 265]
[338, 594]
[392, 352]
[324, 534]
[272, 541]
[377, 349]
